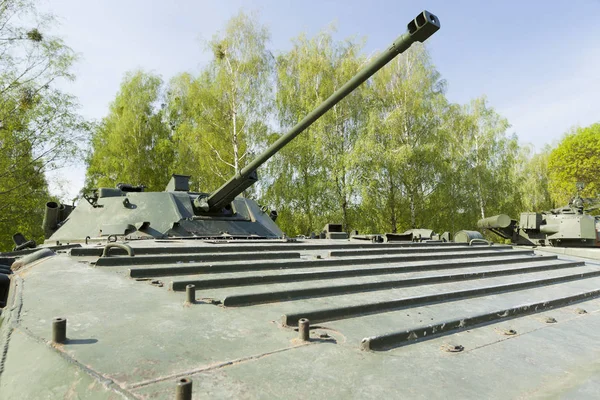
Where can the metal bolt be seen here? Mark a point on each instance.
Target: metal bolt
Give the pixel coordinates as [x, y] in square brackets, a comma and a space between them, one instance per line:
[190, 294]
[184, 389]
[304, 329]
[59, 330]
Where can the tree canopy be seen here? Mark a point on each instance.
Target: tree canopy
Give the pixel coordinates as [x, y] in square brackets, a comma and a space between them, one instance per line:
[39, 126]
[575, 159]
[218, 117]
[395, 154]
[132, 144]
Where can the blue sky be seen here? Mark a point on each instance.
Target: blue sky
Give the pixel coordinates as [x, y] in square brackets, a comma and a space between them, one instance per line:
[538, 62]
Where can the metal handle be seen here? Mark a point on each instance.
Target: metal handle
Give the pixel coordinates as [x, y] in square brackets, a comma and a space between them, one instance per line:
[122, 246]
[480, 241]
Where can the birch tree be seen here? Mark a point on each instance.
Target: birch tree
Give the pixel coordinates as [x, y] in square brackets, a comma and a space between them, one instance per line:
[314, 180]
[485, 156]
[219, 117]
[402, 152]
[534, 188]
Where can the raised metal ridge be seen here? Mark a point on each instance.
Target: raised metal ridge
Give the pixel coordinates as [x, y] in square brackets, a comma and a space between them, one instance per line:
[394, 339]
[345, 273]
[340, 285]
[260, 246]
[182, 269]
[196, 258]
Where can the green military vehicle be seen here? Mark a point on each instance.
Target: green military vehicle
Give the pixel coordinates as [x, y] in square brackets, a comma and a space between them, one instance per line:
[178, 294]
[568, 226]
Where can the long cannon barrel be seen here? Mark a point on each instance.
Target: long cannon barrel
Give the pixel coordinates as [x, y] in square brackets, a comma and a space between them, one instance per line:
[418, 30]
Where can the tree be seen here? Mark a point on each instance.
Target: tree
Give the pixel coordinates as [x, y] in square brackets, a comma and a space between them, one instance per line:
[575, 159]
[313, 177]
[218, 117]
[449, 208]
[401, 153]
[39, 126]
[485, 157]
[534, 185]
[132, 144]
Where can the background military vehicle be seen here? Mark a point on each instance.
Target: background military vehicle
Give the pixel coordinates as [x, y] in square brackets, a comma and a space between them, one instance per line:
[568, 226]
[178, 294]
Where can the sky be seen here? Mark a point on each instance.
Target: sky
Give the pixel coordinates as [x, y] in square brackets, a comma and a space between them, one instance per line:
[537, 62]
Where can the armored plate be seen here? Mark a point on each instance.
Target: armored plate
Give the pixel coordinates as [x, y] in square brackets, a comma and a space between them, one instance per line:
[394, 320]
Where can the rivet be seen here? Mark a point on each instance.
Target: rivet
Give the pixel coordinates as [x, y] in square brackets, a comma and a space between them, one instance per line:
[190, 294]
[304, 329]
[59, 330]
[183, 389]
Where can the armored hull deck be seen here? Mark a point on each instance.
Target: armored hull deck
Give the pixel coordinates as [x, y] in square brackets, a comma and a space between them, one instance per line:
[416, 320]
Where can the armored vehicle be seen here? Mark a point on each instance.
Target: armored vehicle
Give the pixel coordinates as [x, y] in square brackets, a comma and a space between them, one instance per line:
[178, 294]
[568, 226]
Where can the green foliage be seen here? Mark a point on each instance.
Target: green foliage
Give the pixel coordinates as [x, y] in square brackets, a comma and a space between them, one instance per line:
[534, 187]
[218, 117]
[576, 159]
[483, 158]
[39, 127]
[393, 155]
[399, 156]
[132, 144]
[312, 179]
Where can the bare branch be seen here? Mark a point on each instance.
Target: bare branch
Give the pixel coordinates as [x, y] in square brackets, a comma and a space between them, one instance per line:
[218, 155]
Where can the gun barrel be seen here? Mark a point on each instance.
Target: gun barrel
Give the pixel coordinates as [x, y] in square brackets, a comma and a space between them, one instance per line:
[418, 30]
[497, 221]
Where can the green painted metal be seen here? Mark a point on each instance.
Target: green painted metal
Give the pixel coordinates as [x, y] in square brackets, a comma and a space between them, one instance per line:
[368, 304]
[160, 215]
[50, 218]
[568, 226]
[465, 236]
[497, 221]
